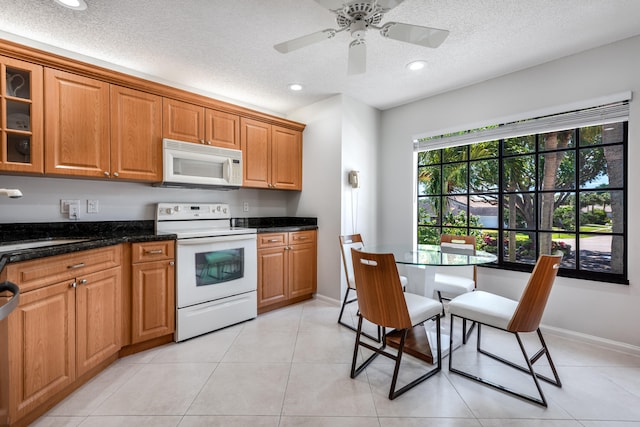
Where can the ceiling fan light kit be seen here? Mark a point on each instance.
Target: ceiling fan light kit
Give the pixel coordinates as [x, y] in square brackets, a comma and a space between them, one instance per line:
[357, 17]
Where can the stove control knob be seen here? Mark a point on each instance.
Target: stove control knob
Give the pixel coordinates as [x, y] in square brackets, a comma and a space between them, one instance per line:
[224, 210]
[169, 211]
[177, 208]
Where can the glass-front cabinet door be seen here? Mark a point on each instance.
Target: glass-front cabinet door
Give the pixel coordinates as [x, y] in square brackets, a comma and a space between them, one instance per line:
[21, 116]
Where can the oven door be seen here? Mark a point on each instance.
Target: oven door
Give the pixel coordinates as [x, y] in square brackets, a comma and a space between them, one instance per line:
[210, 268]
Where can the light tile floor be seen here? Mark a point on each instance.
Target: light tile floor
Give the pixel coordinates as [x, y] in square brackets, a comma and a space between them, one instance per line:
[291, 368]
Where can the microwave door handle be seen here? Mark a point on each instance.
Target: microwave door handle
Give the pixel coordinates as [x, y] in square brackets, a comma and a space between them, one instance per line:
[227, 170]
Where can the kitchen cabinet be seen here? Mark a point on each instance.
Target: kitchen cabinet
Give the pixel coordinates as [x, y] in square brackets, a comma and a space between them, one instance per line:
[136, 135]
[101, 131]
[193, 123]
[153, 290]
[68, 322]
[21, 117]
[272, 155]
[287, 268]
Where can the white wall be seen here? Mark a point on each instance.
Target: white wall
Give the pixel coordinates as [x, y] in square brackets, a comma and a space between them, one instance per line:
[598, 309]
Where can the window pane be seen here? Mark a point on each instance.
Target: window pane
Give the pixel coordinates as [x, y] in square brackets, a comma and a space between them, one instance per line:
[602, 253]
[455, 211]
[557, 140]
[601, 167]
[557, 211]
[454, 178]
[483, 176]
[429, 181]
[602, 211]
[520, 247]
[454, 154]
[483, 150]
[602, 134]
[429, 157]
[483, 211]
[489, 241]
[519, 145]
[519, 173]
[519, 211]
[559, 244]
[429, 210]
[428, 235]
[557, 170]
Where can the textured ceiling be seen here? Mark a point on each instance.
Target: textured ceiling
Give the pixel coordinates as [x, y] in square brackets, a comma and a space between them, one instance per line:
[224, 48]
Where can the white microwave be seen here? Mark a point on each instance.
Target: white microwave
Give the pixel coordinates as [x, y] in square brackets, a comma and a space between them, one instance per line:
[185, 164]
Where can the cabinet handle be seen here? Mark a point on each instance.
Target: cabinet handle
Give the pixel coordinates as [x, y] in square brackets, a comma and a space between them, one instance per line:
[172, 263]
[73, 284]
[80, 265]
[115, 174]
[106, 173]
[301, 238]
[153, 251]
[208, 142]
[273, 240]
[83, 281]
[202, 141]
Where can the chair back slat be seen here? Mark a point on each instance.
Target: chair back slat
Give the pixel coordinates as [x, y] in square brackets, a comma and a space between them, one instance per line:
[380, 297]
[347, 242]
[534, 298]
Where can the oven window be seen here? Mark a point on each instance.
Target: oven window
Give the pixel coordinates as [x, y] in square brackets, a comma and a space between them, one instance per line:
[215, 267]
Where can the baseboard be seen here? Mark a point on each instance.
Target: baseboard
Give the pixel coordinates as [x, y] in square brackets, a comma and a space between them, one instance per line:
[591, 339]
[328, 300]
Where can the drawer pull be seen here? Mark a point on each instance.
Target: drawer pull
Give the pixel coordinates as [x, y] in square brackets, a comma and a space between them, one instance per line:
[80, 265]
[273, 240]
[301, 238]
[83, 281]
[154, 252]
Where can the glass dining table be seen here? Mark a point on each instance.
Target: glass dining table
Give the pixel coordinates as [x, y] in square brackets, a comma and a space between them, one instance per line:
[422, 262]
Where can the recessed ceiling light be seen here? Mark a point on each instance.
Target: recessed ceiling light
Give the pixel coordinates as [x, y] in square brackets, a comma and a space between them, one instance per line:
[295, 86]
[416, 65]
[73, 4]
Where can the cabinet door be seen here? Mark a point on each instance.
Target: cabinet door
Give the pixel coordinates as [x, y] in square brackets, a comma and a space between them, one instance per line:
[77, 132]
[222, 129]
[136, 135]
[98, 318]
[21, 121]
[153, 300]
[182, 121]
[42, 346]
[255, 140]
[272, 276]
[302, 269]
[286, 159]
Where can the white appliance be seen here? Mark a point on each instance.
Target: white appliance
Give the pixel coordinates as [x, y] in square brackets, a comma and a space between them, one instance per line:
[195, 165]
[216, 267]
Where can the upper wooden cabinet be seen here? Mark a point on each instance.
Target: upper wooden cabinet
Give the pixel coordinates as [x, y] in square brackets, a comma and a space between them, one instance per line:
[77, 125]
[193, 123]
[21, 119]
[272, 155]
[99, 130]
[136, 135]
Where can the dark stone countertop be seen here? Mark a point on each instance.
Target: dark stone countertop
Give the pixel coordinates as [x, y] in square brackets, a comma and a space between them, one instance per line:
[277, 224]
[91, 235]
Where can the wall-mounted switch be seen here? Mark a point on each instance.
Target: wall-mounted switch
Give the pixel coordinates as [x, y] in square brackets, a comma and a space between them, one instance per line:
[92, 206]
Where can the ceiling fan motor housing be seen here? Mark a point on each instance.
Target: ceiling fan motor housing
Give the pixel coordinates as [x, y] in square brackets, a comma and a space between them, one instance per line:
[360, 15]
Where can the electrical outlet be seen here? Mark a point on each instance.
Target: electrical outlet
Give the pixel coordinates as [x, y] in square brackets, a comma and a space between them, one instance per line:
[245, 207]
[65, 203]
[74, 211]
[92, 206]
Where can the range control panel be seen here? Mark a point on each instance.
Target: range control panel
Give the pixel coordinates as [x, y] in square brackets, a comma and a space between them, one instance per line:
[192, 211]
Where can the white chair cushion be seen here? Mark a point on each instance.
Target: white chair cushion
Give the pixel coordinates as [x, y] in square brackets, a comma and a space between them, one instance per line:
[458, 248]
[421, 308]
[455, 285]
[404, 281]
[484, 307]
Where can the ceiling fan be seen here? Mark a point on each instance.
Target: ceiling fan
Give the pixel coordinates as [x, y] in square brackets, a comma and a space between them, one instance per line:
[357, 17]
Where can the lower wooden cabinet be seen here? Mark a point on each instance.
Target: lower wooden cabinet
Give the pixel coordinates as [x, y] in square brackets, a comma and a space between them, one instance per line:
[153, 290]
[64, 326]
[287, 268]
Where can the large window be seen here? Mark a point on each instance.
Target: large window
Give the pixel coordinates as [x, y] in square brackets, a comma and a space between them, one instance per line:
[561, 192]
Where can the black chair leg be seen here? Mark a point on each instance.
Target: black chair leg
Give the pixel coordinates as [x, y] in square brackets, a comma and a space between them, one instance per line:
[345, 302]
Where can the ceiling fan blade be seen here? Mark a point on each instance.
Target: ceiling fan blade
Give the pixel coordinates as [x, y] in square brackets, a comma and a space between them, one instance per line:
[300, 42]
[387, 5]
[423, 36]
[357, 57]
[331, 4]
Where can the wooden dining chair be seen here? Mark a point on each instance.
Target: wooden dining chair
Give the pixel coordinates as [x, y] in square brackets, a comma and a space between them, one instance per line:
[515, 317]
[348, 242]
[383, 302]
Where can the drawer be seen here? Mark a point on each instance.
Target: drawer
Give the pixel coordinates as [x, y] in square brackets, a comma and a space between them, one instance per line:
[33, 274]
[152, 251]
[296, 237]
[270, 240]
